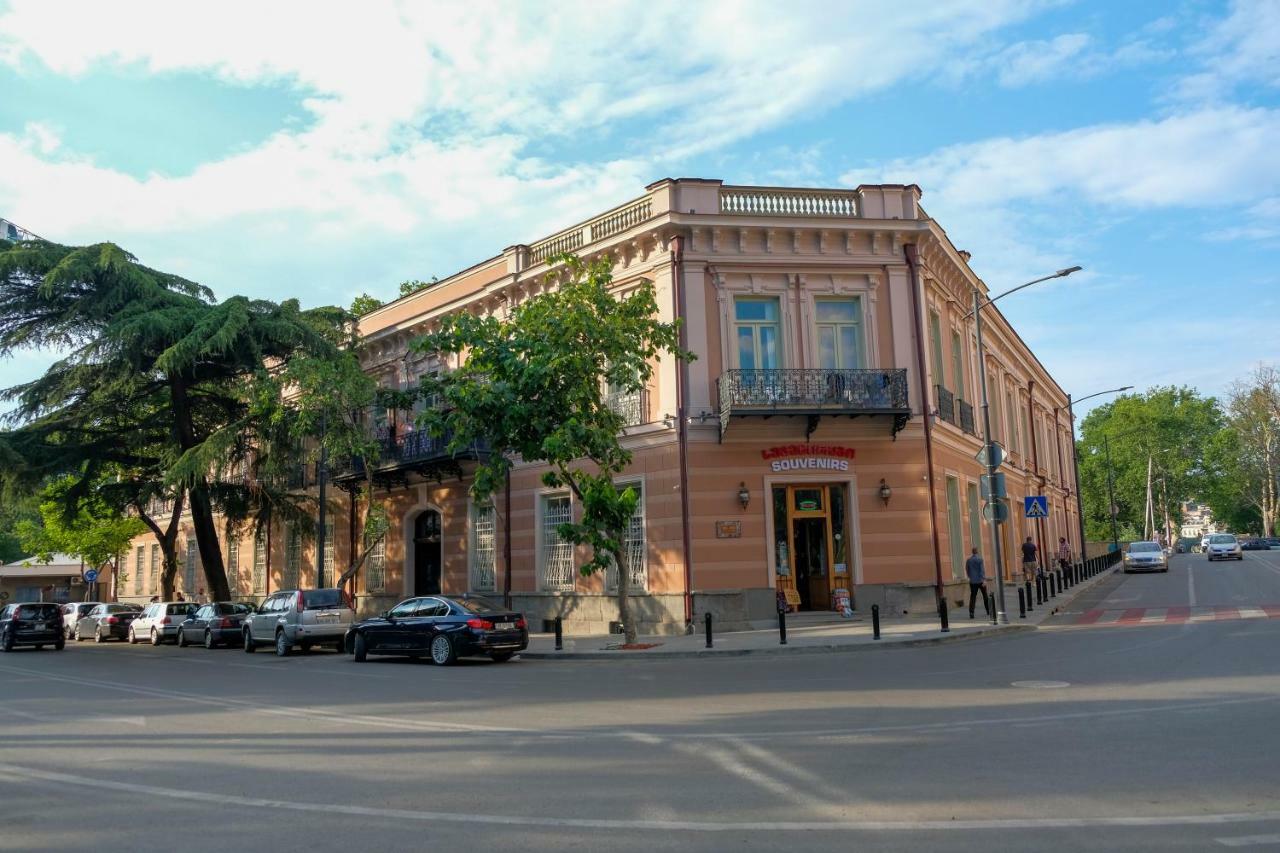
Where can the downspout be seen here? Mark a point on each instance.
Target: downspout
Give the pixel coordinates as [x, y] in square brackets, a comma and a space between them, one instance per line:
[917, 287]
[682, 425]
[506, 542]
[1062, 472]
[1035, 462]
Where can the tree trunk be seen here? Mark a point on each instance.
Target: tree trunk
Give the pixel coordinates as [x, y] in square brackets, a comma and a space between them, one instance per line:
[210, 548]
[624, 595]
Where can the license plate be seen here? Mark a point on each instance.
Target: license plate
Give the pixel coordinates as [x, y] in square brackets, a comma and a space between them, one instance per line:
[326, 617]
[39, 626]
[504, 626]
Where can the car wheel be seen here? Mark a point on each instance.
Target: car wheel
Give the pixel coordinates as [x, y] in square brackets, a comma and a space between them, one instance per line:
[501, 657]
[442, 651]
[97, 635]
[208, 640]
[361, 648]
[6, 641]
[133, 638]
[182, 638]
[155, 637]
[78, 638]
[249, 645]
[60, 644]
[282, 645]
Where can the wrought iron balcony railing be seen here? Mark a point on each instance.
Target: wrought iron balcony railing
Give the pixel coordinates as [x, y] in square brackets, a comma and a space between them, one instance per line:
[814, 392]
[966, 417]
[632, 408]
[414, 450]
[946, 404]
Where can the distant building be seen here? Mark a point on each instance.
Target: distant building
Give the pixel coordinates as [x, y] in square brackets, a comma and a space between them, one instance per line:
[1197, 520]
[12, 231]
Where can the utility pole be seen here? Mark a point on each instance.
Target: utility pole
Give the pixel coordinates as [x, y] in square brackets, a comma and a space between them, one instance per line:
[989, 447]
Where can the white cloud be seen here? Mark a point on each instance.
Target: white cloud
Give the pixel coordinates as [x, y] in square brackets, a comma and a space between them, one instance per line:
[1035, 61]
[1243, 48]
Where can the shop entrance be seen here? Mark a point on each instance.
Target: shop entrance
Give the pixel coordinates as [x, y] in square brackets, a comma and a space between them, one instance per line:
[811, 542]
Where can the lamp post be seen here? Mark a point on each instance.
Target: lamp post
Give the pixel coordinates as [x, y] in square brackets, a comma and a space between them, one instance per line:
[1075, 459]
[987, 443]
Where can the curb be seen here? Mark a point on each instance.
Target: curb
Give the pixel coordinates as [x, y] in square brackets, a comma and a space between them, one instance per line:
[776, 651]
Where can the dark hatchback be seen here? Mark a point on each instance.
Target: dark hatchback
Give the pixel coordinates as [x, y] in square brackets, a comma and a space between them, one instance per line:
[36, 624]
[446, 627]
[216, 624]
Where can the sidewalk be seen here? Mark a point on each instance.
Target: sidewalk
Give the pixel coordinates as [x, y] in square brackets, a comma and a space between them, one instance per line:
[808, 633]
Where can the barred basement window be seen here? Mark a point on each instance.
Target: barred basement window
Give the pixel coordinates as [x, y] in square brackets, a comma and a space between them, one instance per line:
[189, 568]
[259, 564]
[139, 563]
[292, 560]
[483, 547]
[375, 578]
[556, 564]
[633, 547]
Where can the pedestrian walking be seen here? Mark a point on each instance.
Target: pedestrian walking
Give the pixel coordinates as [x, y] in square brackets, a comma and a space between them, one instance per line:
[1030, 566]
[977, 575]
[1064, 554]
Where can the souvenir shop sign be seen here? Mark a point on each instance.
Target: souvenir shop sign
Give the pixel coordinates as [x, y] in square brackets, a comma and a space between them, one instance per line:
[808, 457]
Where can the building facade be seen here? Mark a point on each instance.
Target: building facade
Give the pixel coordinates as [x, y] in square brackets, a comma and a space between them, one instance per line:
[821, 446]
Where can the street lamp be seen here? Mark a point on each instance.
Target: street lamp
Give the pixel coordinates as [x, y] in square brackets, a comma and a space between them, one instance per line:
[987, 443]
[1075, 458]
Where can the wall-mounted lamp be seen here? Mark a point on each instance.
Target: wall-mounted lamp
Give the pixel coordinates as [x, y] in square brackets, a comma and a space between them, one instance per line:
[885, 491]
[744, 495]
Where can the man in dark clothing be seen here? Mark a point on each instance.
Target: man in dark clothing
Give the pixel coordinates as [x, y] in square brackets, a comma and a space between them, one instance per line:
[977, 574]
[1030, 567]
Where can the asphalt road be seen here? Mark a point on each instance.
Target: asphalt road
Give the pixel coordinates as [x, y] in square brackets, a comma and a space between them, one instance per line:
[1153, 736]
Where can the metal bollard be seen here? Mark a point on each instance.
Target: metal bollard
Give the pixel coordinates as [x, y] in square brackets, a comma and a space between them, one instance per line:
[1022, 604]
[1053, 587]
[708, 630]
[782, 626]
[1039, 590]
[991, 606]
[559, 635]
[875, 621]
[942, 614]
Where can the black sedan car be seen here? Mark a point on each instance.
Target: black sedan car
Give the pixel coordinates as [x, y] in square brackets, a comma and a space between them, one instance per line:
[106, 622]
[36, 624]
[446, 627]
[215, 624]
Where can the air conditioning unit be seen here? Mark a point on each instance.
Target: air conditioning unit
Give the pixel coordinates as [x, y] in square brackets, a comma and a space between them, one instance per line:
[76, 580]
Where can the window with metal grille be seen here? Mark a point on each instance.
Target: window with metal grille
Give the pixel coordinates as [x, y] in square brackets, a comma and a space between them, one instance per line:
[189, 568]
[556, 564]
[233, 563]
[633, 547]
[259, 579]
[328, 552]
[155, 569]
[375, 578]
[139, 563]
[483, 547]
[292, 560]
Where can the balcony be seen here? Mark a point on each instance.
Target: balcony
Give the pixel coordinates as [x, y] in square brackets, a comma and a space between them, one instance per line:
[633, 408]
[814, 392]
[966, 418]
[415, 451]
[946, 405]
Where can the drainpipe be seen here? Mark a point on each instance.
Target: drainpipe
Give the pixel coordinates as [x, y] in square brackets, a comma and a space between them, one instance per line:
[1035, 462]
[682, 425]
[506, 542]
[917, 288]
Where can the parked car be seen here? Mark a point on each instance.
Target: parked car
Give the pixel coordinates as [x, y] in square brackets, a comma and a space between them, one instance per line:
[214, 624]
[298, 617]
[159, 621]
[446, 627]
[37, 623]
[1272, 542]
[71, 614]
[106, 622]
[1253, 545]
[1224, 546]
[1145, 557]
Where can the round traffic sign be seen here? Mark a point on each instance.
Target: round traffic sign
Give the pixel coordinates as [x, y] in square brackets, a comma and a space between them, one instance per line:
[91, 575]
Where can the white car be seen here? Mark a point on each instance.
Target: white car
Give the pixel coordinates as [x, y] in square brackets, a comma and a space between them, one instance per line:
[1145, 557]
[1224, 546]
[159, 622]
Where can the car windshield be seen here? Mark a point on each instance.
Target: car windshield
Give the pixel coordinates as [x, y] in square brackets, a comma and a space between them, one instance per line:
[227, 609]
[319, 599]
[37, 611]
[478, 605]
[119, 608]
[1222, 539]
[1141, 547]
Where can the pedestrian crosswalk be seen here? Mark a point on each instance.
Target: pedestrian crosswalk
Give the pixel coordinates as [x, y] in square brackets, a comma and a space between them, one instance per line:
[1173, 615]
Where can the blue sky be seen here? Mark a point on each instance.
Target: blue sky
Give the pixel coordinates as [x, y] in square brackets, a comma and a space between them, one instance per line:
[320, 150]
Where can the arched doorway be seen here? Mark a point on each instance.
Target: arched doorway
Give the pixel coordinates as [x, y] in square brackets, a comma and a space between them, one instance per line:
[426, 553]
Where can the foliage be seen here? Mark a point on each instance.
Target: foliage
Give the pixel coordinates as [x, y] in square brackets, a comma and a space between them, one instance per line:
[533, 386]
[89, 528]
[1171, 426]
[414, 285]
[364, 303]
[1253, 416]
[12, 513]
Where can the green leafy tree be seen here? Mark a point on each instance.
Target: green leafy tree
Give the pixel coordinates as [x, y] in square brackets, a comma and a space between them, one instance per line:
[533, 385]
[414, 285]
[151, 355]
[1228, 490]
[1253, 416]
[12, 513]
[364, 303]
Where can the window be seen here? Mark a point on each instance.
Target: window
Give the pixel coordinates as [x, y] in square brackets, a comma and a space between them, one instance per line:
[954, 531]
[233, 562]
[292, 559]
[935, 348]
[975, 518]
[957, 364]
[1015, 443]
[557, 552]
[993, 398]
[155, 568]
[839, 323]
[375, 578]
[189, 567]
[483, 547]
[406, 609]
[633, 547]
[429, 608]
[1026, 430]
[757, 329]
[139, 563]
[328, 553]
[259, 579]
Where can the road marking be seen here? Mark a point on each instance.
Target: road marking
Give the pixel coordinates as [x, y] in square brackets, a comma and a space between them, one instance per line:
[1249, 840]
[1191, 586]
[1153, 616]
[1252, 613]
[11, 773]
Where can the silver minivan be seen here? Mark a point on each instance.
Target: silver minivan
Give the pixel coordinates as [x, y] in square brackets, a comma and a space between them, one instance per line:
[299, 617]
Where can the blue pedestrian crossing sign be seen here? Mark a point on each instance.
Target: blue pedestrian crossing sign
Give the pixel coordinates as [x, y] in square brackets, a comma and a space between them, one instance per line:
[1037, 506]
